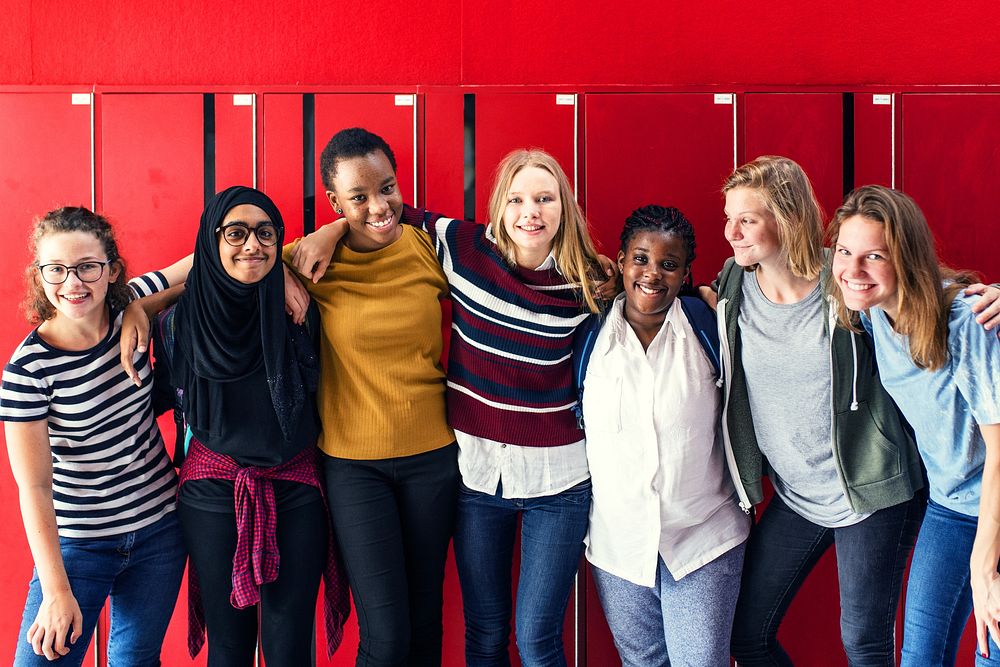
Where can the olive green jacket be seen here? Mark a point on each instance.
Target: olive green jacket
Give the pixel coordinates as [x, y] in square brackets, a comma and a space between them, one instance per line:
[873, 448]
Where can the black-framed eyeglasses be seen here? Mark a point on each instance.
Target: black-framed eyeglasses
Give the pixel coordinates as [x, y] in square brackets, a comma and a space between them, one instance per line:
[237, 233]
[88, 272]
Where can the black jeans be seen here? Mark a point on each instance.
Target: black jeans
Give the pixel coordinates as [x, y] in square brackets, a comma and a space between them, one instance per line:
[871, 557]
[287, 605]
[393, 519]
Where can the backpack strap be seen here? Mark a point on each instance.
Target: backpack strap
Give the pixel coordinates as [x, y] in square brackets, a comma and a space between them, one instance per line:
[702, 320]
[166, 355]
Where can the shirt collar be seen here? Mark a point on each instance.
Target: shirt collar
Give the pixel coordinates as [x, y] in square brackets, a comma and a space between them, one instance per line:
[549, 264]
[619, 326]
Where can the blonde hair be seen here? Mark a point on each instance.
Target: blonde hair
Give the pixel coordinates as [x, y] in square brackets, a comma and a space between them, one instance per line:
[787, 194]
[923, 300]
[572, 247]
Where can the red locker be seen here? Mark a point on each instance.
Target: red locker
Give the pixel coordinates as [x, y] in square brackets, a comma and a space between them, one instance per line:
[281, 158]
[949, 166]
[152, 176]
[45, 144]
[806, 127]
[443, 153]
[392, 117]
[669, 149]
[874, 139]
[235, 140]
[507, 121]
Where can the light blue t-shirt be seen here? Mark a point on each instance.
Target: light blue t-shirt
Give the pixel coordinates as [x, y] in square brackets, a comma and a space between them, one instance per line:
[946, 406]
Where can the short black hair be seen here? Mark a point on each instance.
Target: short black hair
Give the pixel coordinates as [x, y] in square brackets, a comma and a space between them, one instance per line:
[352, 142]
[666, 219]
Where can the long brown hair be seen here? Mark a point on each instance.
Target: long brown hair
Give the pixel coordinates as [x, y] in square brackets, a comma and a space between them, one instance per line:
[787, 194]
[36, 306]
[572, 247]
[924, 287]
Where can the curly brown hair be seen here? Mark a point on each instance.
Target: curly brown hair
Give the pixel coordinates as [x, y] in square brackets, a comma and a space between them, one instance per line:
[36, 306]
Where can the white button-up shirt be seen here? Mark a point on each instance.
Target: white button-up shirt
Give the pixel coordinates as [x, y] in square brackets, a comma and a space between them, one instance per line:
[656, 460]
[526, 472]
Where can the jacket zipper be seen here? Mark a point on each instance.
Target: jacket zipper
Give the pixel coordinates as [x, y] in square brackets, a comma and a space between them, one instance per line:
[831, 324]
[726, 366]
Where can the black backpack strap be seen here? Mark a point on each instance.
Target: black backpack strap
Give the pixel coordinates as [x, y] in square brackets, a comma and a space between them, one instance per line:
[165, 354]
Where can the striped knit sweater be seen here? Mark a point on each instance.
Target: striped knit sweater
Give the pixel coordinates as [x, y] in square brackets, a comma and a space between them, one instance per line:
[510, 358]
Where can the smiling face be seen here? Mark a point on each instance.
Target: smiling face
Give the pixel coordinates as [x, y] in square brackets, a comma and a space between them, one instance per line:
[365, 192]
[532, 215]
[654, 267]
[862, 268]
[74, 298]
[250, 262]
[751, 229]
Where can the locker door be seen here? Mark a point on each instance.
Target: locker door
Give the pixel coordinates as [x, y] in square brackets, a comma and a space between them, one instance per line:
[235, 140]
[45, 162]
[392, 117]
[874, 136]
[949, 166]
[152, 175]
[505, 122]
[443, 149]
[282, 177]
[152, 159]
[806, 127]
[667, 149]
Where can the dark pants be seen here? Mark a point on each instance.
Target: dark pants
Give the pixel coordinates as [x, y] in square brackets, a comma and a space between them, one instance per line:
[287, 606]
[393, 520]
[871, 557]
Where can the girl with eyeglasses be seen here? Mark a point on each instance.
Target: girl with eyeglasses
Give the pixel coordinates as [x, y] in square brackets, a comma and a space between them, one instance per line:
[97, 489]
[250, 501]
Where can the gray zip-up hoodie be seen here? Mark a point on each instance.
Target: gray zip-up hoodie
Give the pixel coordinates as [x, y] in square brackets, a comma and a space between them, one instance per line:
[876, 457]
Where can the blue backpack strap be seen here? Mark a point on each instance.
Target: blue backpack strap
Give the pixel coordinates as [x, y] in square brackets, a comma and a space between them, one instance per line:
[583, 347]
[702, 319]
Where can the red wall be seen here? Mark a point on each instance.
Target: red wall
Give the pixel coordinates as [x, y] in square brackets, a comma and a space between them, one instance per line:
[457, 42]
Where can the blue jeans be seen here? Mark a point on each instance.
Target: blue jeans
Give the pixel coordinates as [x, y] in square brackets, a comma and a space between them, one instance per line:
[938, 593]
[552, 531]
[683, 623]
[871, 557]
[140, 570]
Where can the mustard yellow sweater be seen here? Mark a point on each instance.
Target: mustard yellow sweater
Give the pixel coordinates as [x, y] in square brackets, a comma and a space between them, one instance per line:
[381, 394]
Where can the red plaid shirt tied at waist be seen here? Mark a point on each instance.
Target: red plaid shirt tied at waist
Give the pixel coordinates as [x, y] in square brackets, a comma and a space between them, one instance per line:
[256, 560]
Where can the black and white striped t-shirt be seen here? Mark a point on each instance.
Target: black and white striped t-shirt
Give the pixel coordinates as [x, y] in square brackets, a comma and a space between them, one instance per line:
[110, 472]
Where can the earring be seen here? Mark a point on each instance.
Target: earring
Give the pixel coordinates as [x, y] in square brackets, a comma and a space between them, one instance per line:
[339, 211]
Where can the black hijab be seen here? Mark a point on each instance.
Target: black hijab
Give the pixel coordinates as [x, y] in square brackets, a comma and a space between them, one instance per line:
[225, 329]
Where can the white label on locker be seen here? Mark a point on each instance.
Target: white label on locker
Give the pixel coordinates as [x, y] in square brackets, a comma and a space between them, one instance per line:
[882, 99]
[565, 100]
[404, 100]
[81, 99]
[243, 100]
[723, 98]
